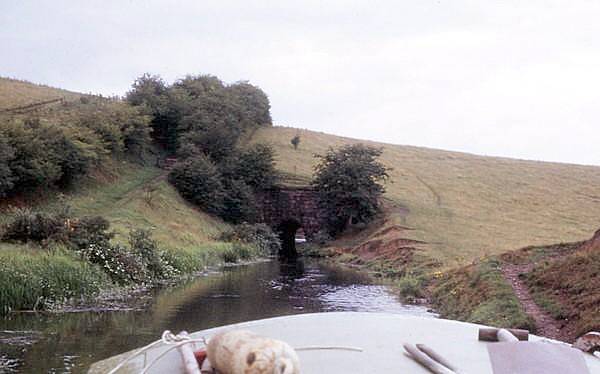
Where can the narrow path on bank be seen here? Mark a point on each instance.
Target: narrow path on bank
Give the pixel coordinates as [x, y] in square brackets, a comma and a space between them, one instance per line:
[546, 325]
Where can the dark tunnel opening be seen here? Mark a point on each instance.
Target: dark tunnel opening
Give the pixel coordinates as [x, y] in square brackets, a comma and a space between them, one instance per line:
[287, 233]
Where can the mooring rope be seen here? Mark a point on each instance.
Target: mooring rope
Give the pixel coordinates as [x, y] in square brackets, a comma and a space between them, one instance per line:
[177, 340]
[167, 338]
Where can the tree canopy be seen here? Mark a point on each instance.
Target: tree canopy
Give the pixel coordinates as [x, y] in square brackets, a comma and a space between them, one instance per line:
[201, 111]
[349, 182]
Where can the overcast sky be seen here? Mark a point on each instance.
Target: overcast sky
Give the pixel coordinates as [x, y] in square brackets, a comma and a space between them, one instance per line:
[510, 78]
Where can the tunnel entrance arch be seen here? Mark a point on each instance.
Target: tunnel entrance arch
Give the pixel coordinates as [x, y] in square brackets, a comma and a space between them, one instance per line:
[287, 234]
[287, 209]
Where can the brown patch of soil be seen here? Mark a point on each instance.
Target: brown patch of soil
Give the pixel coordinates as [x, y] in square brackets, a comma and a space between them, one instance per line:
[398, 251]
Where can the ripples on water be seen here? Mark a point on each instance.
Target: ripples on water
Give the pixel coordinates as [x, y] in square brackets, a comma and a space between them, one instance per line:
[69, 343]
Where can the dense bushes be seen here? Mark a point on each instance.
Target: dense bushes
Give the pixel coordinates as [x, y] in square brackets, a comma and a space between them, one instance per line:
[198, 180]
[254, 165]
[226, 188]
[259, 235]
[91, 238]
[200, 111]
[33, 226]
[55, 147]
[201, 119]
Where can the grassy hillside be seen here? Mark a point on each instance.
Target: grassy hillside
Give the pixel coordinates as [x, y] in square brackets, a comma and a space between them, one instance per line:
[130, 196]
[16, 93]
[466, 206]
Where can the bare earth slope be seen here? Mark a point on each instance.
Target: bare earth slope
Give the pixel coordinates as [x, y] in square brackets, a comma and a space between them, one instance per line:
[466, 206]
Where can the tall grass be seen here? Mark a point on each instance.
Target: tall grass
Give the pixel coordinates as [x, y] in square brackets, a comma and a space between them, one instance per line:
[31, 279]
[190, 260]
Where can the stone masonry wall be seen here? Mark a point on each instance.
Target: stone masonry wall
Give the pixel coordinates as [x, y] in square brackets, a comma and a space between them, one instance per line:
[292, 204]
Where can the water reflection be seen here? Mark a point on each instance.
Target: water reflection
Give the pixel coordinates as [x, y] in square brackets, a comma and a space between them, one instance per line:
[71, 342]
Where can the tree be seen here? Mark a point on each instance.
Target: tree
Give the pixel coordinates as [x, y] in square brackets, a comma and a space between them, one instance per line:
[251, 103]
[151, 93]
[254, 165]
[349, 184]
[295, 141]
[7, 153]
[198, 180]
[239, 203]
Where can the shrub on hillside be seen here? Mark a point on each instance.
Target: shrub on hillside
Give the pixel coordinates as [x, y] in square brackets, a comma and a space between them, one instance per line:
[239, 202]
[38, 227]
[55, 147]
[122, 265]
[155, 260]
[260, 235]
[7, 153]
[295, 141]
[89, 230]
[254, 165]
[198, 180]
[349, 183]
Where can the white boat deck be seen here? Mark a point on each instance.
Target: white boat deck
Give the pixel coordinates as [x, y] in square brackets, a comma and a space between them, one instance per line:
[380, 335]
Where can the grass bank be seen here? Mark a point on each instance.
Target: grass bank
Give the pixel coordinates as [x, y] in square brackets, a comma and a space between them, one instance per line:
[130, 196]
[479, 293]
[567, 288]
[32, 278]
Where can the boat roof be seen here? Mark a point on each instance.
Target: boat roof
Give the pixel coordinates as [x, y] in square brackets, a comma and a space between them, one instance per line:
[379, 335]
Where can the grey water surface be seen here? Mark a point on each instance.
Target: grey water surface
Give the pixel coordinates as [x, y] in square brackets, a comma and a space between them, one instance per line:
[70, 342]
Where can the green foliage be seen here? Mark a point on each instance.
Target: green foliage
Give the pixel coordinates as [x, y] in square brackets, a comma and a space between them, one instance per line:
[54, 148]
[89, 230]
[226, 189]
[7, 154]
[239, 251]
[254, 165]
[215, 140]
[198, 180]
[39, 227]
[295, 141]
[251, 103]
[200, 111]
[35, 280]
[155, 260]
[259, 235]
[239, 202]
[410, 287]
[479, 294]
[121, 265]
[348, 181]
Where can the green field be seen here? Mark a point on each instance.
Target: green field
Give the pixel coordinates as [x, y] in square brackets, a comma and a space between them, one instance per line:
[466, 206]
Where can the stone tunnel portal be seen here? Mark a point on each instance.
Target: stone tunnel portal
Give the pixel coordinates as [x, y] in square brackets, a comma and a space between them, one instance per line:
[287, 233]
[288, 209]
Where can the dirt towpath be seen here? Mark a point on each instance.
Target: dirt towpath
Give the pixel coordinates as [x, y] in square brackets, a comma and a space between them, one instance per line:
[546, 325]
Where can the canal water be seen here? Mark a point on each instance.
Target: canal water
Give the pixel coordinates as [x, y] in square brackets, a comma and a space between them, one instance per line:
[70, 342]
